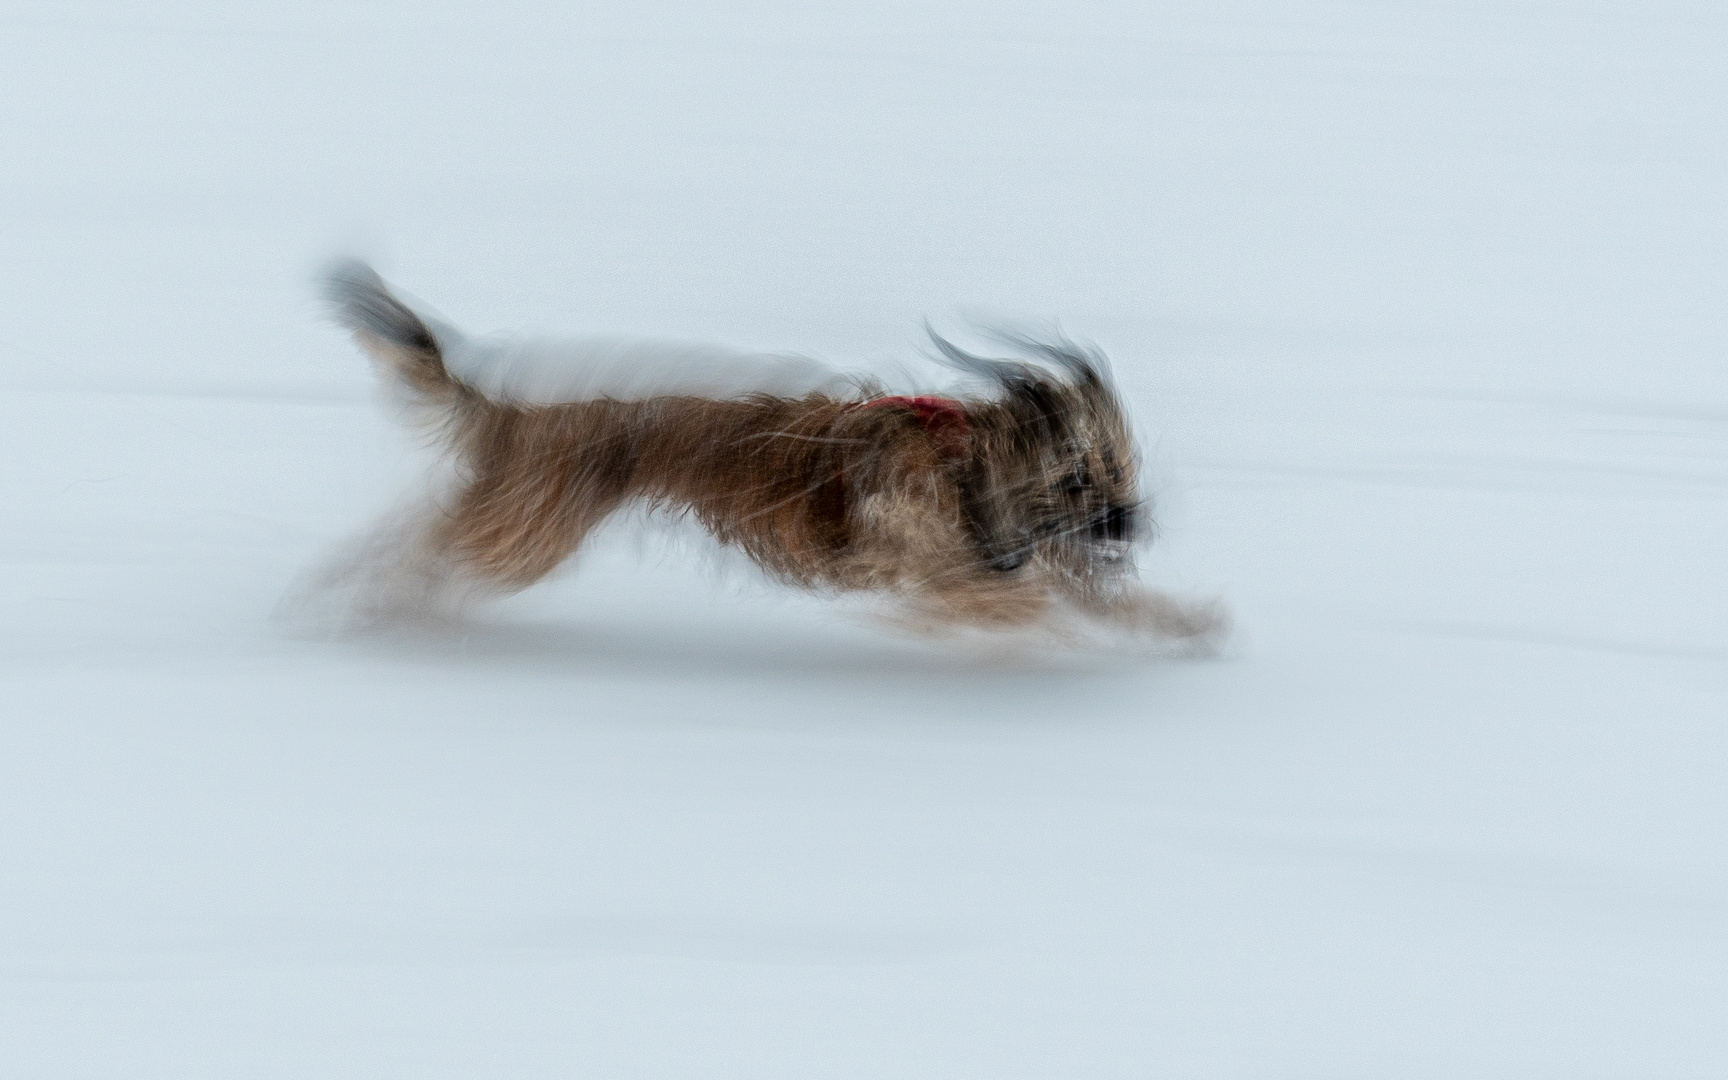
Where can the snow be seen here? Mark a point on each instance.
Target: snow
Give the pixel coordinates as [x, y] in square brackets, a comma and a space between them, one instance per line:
[1418, 309]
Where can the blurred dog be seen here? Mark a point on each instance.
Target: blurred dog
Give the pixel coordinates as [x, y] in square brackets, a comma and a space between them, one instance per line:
[996, 511]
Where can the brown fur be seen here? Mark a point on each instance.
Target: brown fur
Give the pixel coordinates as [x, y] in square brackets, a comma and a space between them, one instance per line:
[1032, 506]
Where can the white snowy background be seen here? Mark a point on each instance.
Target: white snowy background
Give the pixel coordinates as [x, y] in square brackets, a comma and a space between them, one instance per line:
[1420, 309]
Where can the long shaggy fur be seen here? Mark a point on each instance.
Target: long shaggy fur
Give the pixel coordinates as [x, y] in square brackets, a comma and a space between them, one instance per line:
[995, 511]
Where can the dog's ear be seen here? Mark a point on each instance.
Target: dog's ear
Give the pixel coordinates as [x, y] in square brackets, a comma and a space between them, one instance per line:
[993, 508]
[1002, 372]
[1004, 478]
[1084, 364]
[1041, 410]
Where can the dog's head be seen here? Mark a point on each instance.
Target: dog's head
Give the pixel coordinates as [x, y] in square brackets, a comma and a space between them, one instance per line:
[1054, 475]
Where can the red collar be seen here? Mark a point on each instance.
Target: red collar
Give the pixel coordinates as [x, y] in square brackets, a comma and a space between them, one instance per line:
[943, 419]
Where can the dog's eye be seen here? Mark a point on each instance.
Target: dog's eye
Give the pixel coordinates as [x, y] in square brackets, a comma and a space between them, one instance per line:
[1077, 482]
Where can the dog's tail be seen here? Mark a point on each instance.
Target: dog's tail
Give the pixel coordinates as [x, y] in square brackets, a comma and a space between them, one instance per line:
[392, 332]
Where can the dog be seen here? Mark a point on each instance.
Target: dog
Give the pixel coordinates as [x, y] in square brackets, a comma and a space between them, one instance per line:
[998, 511]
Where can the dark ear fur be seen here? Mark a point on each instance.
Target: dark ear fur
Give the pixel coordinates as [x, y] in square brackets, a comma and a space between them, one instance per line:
[1001, 553]
[1084, 364]
[1033, 425]
[1042, 411]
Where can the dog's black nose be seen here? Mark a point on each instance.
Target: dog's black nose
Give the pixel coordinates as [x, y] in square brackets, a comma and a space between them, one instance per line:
[1116, 523]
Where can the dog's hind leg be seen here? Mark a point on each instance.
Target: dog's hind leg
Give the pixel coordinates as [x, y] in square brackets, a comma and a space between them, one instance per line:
[421, 566]
[392, 576]
[506, 529]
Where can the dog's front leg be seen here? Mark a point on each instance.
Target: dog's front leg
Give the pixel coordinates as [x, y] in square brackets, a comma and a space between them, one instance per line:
[1140, 610]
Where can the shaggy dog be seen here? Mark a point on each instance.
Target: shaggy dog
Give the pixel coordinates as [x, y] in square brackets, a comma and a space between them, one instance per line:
[999, 511]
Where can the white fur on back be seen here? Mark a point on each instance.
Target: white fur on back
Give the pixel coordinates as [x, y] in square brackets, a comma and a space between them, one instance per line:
[625, 369]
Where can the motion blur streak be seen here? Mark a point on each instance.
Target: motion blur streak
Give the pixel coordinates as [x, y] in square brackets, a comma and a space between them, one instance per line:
[1417, 310]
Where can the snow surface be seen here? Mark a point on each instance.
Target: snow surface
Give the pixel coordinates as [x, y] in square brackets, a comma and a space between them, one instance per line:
[1420, 310]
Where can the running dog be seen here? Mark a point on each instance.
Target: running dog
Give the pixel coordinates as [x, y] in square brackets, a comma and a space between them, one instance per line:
[1001, 510]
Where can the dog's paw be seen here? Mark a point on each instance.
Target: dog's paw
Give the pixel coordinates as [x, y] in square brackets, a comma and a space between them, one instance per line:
[1191, 627]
